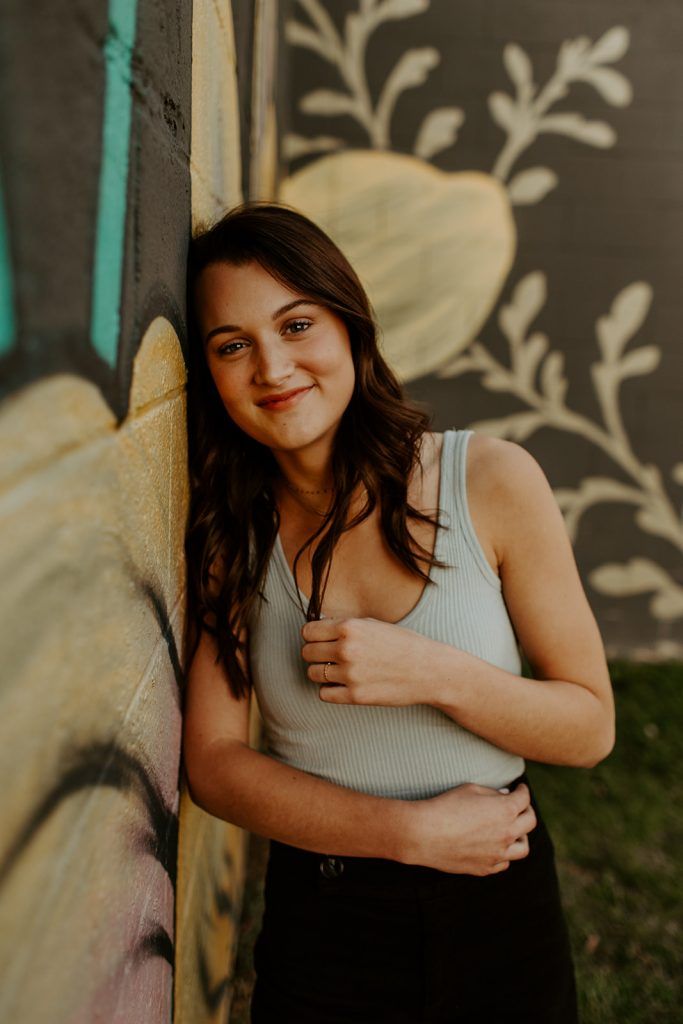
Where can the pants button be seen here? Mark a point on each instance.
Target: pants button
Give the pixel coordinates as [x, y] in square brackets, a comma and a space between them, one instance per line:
[331, 867]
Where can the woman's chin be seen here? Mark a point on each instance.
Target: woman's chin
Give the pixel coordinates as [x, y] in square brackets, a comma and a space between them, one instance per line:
[293, 435]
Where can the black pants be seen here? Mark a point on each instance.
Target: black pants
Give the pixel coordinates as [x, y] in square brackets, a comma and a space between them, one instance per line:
[363, 940]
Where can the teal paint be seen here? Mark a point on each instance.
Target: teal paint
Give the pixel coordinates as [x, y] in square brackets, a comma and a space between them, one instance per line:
[7, 326]
[111, 211]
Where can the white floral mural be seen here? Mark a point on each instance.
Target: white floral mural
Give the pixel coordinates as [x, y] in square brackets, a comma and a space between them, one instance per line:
[437, 249]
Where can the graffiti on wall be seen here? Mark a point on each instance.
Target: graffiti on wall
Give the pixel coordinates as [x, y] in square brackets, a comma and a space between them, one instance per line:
[119, 898]
[90, 627]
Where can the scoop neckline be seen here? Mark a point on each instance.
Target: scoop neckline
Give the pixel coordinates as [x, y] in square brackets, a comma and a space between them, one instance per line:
[427, 590]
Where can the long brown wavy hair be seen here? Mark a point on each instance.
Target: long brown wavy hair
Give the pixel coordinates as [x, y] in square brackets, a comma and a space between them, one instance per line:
[233, 518]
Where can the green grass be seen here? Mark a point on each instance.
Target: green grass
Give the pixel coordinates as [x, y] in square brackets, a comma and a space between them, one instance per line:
[618, 835]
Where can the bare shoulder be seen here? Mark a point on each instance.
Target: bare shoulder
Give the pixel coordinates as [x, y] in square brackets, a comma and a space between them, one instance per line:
[508, 491]
[502, 465]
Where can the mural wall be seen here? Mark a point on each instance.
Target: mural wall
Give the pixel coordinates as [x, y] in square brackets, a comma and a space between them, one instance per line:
[506, 179]
[124, 125]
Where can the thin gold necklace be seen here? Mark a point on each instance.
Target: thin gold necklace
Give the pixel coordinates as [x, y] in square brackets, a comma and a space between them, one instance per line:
[296, 491]
[300, 490]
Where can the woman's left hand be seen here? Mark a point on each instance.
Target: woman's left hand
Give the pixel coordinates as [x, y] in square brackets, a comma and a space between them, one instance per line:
[375, 662]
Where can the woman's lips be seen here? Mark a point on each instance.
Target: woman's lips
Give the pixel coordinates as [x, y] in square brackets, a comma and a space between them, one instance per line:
[285, 403]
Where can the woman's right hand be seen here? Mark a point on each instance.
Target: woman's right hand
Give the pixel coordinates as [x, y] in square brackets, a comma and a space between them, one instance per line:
[471, 829]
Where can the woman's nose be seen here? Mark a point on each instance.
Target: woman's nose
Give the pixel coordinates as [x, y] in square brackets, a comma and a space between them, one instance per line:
[273, 364]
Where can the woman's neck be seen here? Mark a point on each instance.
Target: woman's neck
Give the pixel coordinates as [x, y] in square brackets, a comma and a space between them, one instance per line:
[307, 470]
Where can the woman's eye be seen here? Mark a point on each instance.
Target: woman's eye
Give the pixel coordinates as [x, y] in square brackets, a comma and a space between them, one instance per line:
[230, 346]
[299, 323]
[226, 350]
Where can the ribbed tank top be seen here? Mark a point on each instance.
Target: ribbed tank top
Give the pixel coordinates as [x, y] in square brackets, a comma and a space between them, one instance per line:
[408, 752]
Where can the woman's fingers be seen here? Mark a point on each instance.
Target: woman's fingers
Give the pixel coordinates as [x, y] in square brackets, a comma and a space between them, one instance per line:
[526, 821]
[518, 849]
[320, 651]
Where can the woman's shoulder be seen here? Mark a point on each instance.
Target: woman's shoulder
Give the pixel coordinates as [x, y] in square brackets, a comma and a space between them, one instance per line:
[507, 488]
[495, 461]
[502, 465]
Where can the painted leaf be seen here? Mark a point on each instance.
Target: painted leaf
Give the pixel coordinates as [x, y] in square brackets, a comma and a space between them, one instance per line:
[518, 66]
[521, 427]
[594, 133]
[592, 491]
[438, 131]
[297, 34]
[527, 300]
[614, 87]
[413, 67]
[677, 473]
[496, 381]
[395, 9]
[528, 357]
[637, 576]
[356, 31]
[517, 427]
[611, 46]
[502, 110]
[651, 519]
[512, 323]
[630, 306]
[531, 186]
[327, 101]
[454, 367]
[667, 604]
[627, 313]
[553, 382]
[640, 360]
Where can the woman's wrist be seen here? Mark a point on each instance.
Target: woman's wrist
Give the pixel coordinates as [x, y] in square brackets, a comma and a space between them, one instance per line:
[402, 833]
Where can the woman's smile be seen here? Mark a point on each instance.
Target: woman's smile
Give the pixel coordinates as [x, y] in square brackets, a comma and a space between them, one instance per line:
[289, 400]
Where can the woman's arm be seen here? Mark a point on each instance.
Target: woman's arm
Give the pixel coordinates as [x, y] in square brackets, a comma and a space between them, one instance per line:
[565, 715]
[272, 799]
[469, 829]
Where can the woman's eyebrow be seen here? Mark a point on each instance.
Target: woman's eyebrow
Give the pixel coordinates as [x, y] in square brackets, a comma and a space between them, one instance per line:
[278, 312]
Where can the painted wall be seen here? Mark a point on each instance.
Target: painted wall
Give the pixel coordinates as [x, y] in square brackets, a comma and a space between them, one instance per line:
[506, 179]
[123, 125]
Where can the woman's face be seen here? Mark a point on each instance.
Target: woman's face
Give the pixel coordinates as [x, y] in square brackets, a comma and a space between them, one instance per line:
[262, 339]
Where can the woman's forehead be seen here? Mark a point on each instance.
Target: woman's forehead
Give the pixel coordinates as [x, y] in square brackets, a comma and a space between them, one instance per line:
[232, 297]
[242, 285]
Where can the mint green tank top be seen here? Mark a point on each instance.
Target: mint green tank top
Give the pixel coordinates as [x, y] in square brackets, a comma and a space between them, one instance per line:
[409, 752]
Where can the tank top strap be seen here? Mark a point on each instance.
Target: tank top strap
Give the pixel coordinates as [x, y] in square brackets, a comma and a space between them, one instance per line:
[459, 509]
[448, 481]
[459, 441]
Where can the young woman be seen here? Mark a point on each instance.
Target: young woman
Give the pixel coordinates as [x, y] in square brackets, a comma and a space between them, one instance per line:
[373, 581]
